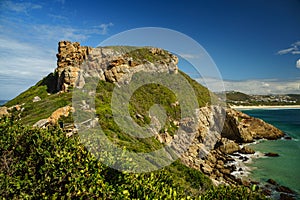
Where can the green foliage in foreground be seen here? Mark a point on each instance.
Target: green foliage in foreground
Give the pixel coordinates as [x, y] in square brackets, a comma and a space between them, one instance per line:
[43, 164]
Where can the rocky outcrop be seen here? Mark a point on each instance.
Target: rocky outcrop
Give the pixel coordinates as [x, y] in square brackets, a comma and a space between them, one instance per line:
[242, 128]
[75, 63]
[218, 131]
[53, 119]
[3, 111]
[213, 145]
[69, 58]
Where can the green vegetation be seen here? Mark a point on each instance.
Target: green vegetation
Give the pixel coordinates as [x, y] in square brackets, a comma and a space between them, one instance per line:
[34, 111]
[237, 96]
[43, 164]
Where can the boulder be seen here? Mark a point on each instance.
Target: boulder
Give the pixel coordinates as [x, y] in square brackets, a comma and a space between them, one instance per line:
[64, 111]
[270, 154]
[247, 150]
[206, 168]
[228, 146]
[41, 123]
[285, 190]
[3, 111]
[242, 128]
[36, 99]
[271, 181]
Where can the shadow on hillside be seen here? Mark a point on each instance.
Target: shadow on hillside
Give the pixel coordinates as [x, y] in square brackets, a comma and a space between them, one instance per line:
[51, 82]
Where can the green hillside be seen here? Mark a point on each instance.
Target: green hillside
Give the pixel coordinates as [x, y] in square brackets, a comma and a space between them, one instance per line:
[43, 163]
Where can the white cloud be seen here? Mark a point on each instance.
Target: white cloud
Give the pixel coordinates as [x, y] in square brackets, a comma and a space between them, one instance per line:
[103, 28]
[294, 49]
[265, 86]
[56, 33]
[189, 56]
[22, 7]
[298, 63]
[21, 60]
[286, 51]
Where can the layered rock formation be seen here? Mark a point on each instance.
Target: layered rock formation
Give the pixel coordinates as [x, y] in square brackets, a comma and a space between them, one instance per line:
[213, 144]
[75, 63]
[218, 133]
[69, 58]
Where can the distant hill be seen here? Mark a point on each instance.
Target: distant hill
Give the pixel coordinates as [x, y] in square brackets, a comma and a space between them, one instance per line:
[239, 98]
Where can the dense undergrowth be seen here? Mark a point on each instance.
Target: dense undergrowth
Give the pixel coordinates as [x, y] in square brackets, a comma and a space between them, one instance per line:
[44, 163]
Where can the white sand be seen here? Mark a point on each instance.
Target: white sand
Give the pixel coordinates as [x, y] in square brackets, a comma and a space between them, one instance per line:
[265, 107]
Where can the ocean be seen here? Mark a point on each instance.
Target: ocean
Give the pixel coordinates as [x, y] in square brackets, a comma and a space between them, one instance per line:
[2, 102]
[284, 169]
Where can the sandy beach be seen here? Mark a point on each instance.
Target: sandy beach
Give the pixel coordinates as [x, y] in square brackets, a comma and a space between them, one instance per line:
[265, 107]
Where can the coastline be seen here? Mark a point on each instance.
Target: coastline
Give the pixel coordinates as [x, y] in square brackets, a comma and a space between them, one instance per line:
[264, 107]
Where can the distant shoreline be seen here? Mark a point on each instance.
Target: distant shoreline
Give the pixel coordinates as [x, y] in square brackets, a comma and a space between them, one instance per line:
[265, 107]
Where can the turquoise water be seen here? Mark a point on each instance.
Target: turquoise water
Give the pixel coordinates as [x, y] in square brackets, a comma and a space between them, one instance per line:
[284, 169]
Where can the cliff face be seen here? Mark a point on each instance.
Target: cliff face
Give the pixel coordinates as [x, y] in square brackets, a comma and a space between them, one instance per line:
[218, 131]
[69, 58]
[109, 64]
[211, 149]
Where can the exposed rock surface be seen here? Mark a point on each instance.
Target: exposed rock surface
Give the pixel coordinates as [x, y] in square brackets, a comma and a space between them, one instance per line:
[211, 149]
[69, 58]
[240, 127]
[218, 131]
[3, 111]
[53, 119]
[75, 63]
[36, 99]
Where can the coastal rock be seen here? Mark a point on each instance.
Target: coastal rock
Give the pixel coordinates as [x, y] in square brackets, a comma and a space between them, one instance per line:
[271, 181]
[285, 190]
[284, 196]
[228, 146]
[242, 128]
[272, 154]
[247, 150]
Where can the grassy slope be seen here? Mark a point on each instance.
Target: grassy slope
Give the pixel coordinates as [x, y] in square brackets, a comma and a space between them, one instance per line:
[191, 180]
[35, 111]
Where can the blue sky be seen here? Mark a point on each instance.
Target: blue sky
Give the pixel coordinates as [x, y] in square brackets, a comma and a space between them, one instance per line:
[255, 44]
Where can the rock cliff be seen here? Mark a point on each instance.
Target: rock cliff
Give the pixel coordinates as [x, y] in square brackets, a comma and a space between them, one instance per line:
[75, 63]
[211, 149]
[218, 132]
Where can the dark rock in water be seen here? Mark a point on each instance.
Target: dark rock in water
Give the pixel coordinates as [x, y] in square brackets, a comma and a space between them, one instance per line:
[243, 158]
[247, 150]
[272, 154]
[287, 137]
[267, 192]
[271, 181]
[235, 154]
[229, 159]
[286, 197]
[285, 190]
[255, 182]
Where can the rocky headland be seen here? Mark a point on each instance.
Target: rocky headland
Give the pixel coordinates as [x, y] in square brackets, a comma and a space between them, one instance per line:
[220, 134]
